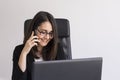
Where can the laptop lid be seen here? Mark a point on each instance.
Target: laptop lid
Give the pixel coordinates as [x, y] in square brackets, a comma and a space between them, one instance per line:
[76, 69]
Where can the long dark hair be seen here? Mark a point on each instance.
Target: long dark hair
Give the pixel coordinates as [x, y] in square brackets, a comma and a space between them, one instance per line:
[49, 52]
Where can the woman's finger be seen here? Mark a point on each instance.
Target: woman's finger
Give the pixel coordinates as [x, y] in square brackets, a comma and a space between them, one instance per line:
[32, 36]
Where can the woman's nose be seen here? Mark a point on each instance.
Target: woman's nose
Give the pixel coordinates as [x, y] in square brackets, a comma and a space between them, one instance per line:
[47, 36]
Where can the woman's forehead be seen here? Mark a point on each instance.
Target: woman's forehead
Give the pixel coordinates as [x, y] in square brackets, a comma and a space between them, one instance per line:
[45, 26]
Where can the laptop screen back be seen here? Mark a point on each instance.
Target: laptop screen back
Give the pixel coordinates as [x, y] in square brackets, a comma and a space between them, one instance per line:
[76, 69]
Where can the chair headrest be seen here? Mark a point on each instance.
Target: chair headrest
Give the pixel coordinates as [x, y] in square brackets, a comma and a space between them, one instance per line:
[63, 27]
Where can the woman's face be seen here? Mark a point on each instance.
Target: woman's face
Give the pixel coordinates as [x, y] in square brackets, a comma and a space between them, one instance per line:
[44, 33]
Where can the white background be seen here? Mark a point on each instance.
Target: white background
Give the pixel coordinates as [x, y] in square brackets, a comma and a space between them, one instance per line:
[95, 30]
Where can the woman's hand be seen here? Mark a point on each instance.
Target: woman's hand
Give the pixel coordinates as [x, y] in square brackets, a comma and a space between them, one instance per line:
[32, 41]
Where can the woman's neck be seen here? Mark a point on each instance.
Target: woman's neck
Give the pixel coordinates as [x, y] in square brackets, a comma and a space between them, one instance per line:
[39, 48]
[39, 51]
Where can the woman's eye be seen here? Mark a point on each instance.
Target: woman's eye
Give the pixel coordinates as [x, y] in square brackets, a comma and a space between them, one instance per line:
[51, 33]
[43, 32]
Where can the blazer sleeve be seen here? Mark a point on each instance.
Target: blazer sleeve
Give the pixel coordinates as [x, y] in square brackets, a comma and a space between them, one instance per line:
[17, 74]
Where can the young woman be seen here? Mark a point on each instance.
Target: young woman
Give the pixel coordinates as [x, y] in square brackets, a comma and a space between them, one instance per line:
[40, 44]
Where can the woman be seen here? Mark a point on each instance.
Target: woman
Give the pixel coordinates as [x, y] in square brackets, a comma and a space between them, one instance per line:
[40, 44]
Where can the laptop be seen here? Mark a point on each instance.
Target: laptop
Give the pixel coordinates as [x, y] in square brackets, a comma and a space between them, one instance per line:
[75, 69]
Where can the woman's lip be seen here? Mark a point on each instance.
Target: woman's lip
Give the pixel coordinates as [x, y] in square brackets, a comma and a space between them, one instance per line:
[43, 40]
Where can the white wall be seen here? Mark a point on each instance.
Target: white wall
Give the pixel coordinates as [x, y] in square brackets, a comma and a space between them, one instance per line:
[95, 30]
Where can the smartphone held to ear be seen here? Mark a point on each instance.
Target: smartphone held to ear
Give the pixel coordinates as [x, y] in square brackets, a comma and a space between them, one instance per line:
[35, 38]
[34, 33]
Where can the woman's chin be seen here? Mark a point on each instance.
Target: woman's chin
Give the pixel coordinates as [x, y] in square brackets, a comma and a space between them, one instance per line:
[43, 44]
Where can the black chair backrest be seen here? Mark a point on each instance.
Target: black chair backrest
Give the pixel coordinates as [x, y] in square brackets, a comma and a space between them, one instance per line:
[63, 28]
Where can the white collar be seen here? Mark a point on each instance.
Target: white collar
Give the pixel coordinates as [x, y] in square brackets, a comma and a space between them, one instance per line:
[40, 59]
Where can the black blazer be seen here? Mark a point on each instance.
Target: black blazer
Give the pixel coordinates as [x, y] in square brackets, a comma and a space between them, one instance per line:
[17, 74]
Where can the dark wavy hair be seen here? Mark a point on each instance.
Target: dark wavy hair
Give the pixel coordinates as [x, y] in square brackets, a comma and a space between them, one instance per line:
[49, 52]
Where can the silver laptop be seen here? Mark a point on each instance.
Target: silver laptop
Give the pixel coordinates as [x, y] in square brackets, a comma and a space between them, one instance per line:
[75, 69]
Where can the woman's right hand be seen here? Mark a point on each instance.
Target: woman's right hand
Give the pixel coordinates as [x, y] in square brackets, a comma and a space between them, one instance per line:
[32, 41]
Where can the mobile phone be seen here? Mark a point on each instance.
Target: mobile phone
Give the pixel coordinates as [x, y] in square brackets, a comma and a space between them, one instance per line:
[35, 35]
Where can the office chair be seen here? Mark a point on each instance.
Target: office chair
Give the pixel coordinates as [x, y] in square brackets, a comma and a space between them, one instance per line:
[63, 29]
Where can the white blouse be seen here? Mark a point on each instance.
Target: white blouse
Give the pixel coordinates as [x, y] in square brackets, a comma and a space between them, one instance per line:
[40, 59]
